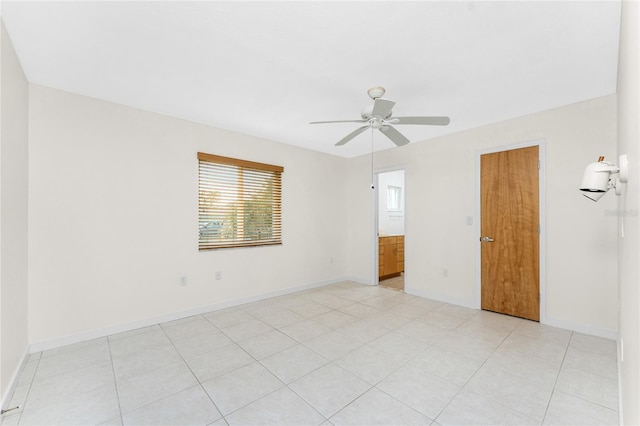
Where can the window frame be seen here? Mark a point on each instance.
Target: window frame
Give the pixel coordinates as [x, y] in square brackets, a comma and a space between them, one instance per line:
[229, 167]
[394, 198]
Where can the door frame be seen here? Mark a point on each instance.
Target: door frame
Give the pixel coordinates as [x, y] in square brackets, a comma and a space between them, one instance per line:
[542, 248]
[374, 231]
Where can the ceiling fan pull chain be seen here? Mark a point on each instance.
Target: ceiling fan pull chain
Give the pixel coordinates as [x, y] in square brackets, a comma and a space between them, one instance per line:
[373, 184]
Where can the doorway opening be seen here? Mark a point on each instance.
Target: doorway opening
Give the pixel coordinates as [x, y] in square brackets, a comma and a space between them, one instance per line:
[391, 196]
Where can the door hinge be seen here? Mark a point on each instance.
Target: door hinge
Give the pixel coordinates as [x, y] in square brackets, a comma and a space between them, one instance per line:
[538, 164]
[538, 229]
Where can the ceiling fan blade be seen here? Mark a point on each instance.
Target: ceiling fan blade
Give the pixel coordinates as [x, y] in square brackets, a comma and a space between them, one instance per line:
[352, 135]
[395, 136]
[432, 121]
[382, 107]
[338, 121]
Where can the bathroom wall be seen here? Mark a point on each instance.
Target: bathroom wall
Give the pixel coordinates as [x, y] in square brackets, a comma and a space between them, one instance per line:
[391, 221]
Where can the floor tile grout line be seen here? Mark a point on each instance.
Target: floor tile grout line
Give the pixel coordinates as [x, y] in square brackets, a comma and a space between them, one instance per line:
[287, 385]
[201, 384]
[324, 365]
[161, 399]
[553, 388]
[301, 377]
[258, 361]
[404, 364]
[379, 381]
[307, 402]
[186, 363]
[382, 308]
[115, 381]
[407, 363]
[303, 398]
[555, 383]
[464, 386]
[562, 365]
[266, 395]
[238, 307]
[237, 342]
[26, 397]
[589, 371]
[349, 403]
[402, 402]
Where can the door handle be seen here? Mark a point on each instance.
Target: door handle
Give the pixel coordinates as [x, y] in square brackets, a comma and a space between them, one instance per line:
[486, 239]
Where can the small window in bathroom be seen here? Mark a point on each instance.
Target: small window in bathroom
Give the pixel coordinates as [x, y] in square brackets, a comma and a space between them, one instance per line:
[393, 198]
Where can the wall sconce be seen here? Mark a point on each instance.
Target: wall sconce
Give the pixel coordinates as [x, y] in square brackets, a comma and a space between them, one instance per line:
[597, 178]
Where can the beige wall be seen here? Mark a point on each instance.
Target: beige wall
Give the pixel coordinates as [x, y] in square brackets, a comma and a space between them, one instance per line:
[113, 217]
[441, 182]
[13, 213]
[113, 199]
[629, 209]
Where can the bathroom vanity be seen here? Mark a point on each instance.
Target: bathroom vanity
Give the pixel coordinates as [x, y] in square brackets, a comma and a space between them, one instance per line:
[390, 256]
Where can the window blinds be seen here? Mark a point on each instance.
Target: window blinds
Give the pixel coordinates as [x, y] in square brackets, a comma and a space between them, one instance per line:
[239, 203]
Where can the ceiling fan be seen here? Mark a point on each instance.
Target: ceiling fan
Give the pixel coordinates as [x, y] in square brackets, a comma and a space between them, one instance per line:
[379, 116]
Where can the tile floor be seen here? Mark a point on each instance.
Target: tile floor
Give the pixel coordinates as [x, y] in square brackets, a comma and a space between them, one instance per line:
[344, 354]
[395, 283]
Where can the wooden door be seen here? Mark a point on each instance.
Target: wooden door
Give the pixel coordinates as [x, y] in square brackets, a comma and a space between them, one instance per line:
[510, 271]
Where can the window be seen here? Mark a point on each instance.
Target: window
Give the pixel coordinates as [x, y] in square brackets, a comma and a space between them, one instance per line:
[393, 198]
[239, 203]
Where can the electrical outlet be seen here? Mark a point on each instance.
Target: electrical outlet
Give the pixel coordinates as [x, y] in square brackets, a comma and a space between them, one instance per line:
[182, 281]
[445, 272]
[218, 275]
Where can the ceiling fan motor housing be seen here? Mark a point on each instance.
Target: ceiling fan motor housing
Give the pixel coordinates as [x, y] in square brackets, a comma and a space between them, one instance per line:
[368, 110]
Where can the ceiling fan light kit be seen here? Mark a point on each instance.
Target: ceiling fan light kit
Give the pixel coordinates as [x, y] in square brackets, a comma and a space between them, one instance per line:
[379, 116]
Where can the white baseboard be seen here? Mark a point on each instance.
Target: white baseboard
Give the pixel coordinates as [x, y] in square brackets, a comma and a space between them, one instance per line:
[554, 322]
[581, 328]
[358, 280]
[441, 298]
[107, 331]
[13, 382]
[619, 355]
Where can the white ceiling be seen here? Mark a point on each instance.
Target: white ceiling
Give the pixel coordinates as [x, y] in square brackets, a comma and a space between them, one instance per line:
[269, 68]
